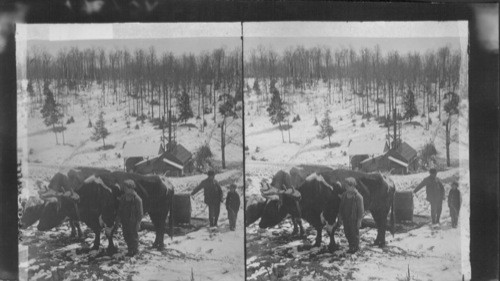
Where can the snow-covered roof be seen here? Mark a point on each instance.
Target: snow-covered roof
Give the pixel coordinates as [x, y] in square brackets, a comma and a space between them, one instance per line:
[141, 149]
[172, 163]
[369, 147]
[398, 161]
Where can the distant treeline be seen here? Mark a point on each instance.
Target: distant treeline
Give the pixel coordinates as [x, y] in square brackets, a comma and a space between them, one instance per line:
[144, 79]
[367, 75]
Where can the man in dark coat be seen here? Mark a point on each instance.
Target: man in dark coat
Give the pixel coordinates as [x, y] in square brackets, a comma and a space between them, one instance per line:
[351, 212]
[130, 214]
[213, 196]
[435, 194]
[232, 206]
[454, 202]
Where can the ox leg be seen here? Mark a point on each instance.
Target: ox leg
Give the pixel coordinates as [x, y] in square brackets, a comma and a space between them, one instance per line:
[161, 231]
[80, 235]
[97, 239]
[73, 228]
[332, 247]
[380, 218]
[297, 219]
[111, 246]
[319, 232]
[159, 224]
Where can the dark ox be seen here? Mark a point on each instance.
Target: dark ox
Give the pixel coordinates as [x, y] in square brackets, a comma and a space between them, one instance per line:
[61, 199]
[319, 205]
[99, 199]
[31, 211]
[320, 188]
[255, 207]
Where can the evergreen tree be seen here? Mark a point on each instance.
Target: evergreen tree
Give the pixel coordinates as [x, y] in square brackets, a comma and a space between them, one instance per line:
[184, 106]
[29, 89]
[51, 110]
[325, 128]
[410, 106]
[100, 131]
[256, 86]
[277, 110]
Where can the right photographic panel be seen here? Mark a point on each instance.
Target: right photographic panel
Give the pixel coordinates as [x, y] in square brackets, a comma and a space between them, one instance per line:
[356, 150]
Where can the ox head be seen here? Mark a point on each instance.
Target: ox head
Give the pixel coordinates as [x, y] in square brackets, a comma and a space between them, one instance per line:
[32, 210]
[102, 195]
[272, 214]
[315, 183]
[56, 207]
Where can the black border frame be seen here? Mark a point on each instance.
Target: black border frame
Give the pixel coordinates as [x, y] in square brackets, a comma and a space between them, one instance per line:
[483, 95]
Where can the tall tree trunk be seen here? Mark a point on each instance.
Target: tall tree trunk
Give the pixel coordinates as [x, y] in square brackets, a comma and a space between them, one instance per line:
[223, 143]
[55, 133]
[448, 141]
[281, 130]
[289, 138]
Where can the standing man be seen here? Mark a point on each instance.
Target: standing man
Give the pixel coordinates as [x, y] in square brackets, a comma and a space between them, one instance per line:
[454, 202]
[435, 194]
[213, 196]
[351, 212]
[232, 206]
[130, 214]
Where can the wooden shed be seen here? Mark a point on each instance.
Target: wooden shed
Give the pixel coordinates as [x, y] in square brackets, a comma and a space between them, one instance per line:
[173, 162]
[360, 151]
[400, 160]
[134, 153]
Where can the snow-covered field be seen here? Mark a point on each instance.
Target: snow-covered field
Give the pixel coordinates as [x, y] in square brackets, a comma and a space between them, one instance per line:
[418, 251]
[194, 253]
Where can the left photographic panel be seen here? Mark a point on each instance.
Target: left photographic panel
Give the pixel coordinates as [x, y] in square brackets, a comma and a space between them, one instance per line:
[130, 139]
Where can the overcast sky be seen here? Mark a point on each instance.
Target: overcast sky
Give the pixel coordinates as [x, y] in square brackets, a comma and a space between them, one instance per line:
[178, 38]
[197, 37]
[403, 37]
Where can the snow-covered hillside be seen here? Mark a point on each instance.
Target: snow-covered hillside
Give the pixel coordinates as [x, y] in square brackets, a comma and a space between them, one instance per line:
[200, 253]
[37, 142]
[418, 251]
[264, 140]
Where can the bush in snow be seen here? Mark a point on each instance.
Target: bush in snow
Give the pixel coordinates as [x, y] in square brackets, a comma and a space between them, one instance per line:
[326, 129]
[70, 120]
[202, 158]
[100, 131]
[428, 154]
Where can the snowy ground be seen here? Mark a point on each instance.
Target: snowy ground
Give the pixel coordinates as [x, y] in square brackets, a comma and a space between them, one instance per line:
[430, 253]
[194, 253]
[417, 249]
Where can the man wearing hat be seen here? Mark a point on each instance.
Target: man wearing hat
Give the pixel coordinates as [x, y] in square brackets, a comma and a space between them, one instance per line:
[435, 194]
[351, 212]
[130, 214]
[213, 196]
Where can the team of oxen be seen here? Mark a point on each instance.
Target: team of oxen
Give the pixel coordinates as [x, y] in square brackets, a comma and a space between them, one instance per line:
[91, 195]
[318, 203]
